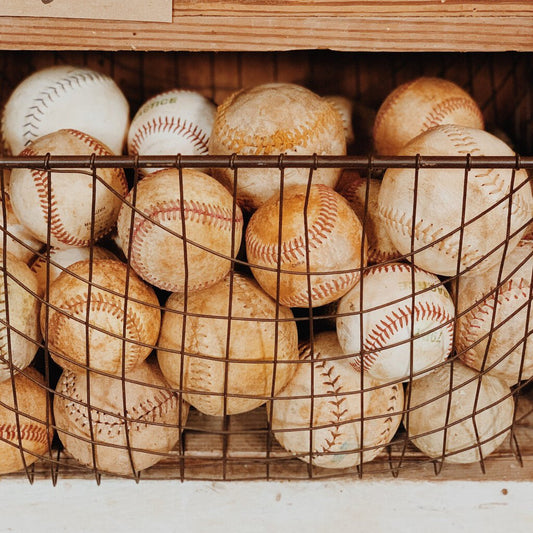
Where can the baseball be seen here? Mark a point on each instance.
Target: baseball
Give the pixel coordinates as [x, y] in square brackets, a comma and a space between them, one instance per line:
[476, 409]
[495, 321]
[320, 235]
[362, 195]
[435, 236]
[66, 97]
[170, 210]
[20, 335]
[233, 352]
[419, 105]
[344, 106]
[173, 122]
[26, 437]
[115, 325]
[274, 119]
[63, 200]
[322, 423]
[403, 328]
[139, 414]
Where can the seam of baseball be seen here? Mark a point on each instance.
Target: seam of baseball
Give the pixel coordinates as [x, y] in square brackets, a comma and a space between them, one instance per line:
[28, 432]
[36, 112]
[173, 125]
[443, 108]
[385, 434]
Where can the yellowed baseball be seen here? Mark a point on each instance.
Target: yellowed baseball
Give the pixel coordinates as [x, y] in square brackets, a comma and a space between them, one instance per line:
[121, 333]
[166, 203]
[493, 326]
[419, 105]
[477, 410]
[139, 413]
[66, 97]
[317, 416]
[320, 235]
[63, 201]
[273, 119]
[26, 428]
[262, 346]
[435, 235]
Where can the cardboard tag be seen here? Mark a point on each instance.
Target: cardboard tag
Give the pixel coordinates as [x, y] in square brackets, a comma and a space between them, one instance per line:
[139, 10]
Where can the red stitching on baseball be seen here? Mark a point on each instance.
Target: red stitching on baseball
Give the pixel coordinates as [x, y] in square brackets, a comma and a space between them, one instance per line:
[28, 432]
[439, 112]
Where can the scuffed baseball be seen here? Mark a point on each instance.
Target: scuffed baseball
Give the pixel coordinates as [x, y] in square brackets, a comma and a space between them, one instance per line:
[20, 335]
[121, 334]
[64, 200]
[390, 318]
[419, 105]
[165, 203]
[320, 235]
[139, 413]
[493, 326]
[336, 434]
[438, 239]
[66, 97]
[26, 429]
[476, 409]
[274, 119]
[262, 346]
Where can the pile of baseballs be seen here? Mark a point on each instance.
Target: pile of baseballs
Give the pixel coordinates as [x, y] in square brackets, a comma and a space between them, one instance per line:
[349, 305]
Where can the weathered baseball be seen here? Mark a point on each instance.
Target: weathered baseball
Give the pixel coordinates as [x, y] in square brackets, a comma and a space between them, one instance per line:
[362, 195]
[273, 119]
[320, 235]
[114, 325]
[26, 429]
[173, 122]
[476, 409]
[139, 414]
[66, 97]
[64, 200]
[20, 335]
[417, 106]
[495, 319]
[170, 208]
[235, 354]
[344, 106]
[317, 416]
[405, 325]
[436, 235]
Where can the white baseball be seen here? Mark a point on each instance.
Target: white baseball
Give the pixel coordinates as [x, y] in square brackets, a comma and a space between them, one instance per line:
[125, 435]
[20, 335]
[402, 328]
[320, 250]
[213, 230]
[344, 106]
[493, 327]
[274, 119]
[419, 105]
[63, 201]
[476, 409]
[173, 122]
[318, 417]
[66, 97]
[435, 236]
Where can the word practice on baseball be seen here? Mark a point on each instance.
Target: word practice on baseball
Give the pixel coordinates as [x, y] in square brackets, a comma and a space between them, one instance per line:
[318, 415]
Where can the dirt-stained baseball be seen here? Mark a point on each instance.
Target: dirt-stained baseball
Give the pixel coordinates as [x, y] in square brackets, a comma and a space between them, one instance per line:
[139, 414]
[232, 347]
[64, 200]
[320, 235]
[419, 105]
[274, 119]
[476, 409]
[171, 209]
[495, 319]
[405, 325]
[66, 97]
[111, 327]
[318, 417]
[26, 429]
[444, 195]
